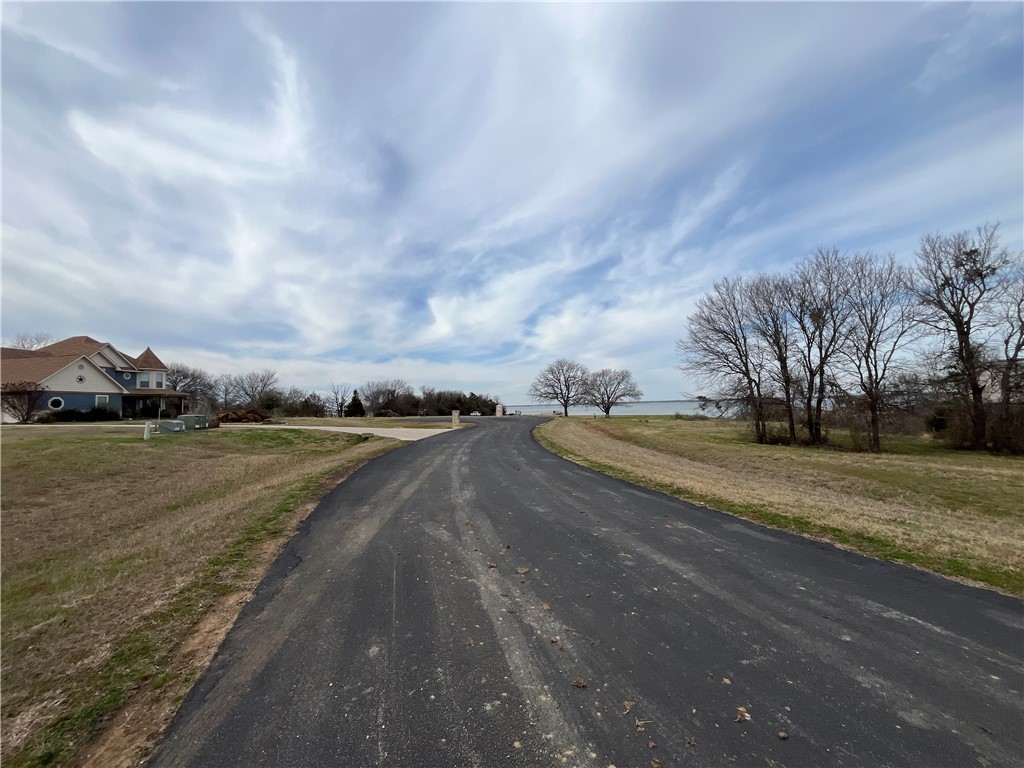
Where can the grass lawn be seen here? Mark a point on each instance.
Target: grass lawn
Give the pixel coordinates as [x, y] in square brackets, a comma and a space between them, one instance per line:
[114, 548]
[955, 512]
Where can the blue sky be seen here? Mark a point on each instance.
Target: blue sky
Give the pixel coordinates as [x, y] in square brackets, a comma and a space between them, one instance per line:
[458, 194]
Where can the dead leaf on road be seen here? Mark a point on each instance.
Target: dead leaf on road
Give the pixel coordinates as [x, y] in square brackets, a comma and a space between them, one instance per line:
[579, 682]
[691, 741]
[546, 606]
[470, 642]
[627, 706]
[522, 571]
[656, 763]
[641, 723]
[651, 743]
[554, 639]
[492, 565]
[726, 681]
[742, 714]
[783, 735]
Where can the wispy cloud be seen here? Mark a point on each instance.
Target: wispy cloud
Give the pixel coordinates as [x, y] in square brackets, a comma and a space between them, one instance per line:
[457, 194]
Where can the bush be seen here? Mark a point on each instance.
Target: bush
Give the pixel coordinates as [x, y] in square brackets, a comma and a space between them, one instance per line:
[46, 417]
[93, 414]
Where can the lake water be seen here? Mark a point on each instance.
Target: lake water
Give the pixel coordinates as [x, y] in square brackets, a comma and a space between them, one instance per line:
[643, 408]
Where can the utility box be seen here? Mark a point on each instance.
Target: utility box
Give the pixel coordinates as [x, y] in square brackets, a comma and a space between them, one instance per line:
[195, 421]
[171, 425]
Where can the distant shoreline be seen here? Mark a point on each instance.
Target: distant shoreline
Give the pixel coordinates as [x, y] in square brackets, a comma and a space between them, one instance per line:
[641, 408]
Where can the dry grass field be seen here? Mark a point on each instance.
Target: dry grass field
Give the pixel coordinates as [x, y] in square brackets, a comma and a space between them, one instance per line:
[114, 548]
[955, 512]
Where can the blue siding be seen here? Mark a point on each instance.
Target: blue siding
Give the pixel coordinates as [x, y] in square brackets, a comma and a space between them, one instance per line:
[80, 401]
[130, 383]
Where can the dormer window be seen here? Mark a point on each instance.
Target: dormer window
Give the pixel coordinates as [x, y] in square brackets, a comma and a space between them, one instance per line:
[144, 380]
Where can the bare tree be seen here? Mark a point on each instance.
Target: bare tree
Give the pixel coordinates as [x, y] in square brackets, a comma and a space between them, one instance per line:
[721, 348]
[959, 278]
[225, 390]
[31, 340]
[563, 382]
[255, 386]
[883, 322]
[195, 382]
[338, 397]
[382, 394]
[19, 399]
[1009, 316]
[607, 388]
[818, 305]
[770, 320]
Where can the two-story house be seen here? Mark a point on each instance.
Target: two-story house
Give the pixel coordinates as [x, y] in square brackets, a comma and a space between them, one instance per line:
[81, 373]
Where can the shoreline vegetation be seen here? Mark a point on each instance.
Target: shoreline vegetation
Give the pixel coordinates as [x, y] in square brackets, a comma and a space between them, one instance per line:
[124, 563]
[956, 513]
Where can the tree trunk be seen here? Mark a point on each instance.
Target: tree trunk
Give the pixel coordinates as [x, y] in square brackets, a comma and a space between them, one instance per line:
[874, 436]
[565, 410]
[978, 418]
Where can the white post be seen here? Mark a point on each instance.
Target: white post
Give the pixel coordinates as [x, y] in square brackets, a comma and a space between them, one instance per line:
[145, 433]
[455, 419]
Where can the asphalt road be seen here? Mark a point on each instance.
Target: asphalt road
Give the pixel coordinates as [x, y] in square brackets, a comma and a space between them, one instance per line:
[396, 629]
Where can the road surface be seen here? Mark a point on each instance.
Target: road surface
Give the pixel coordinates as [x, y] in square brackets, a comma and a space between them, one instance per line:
[473, 600]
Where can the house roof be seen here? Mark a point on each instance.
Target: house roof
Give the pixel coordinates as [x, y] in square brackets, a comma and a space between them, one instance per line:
[74, 345]
[148, 359]
[35, 367]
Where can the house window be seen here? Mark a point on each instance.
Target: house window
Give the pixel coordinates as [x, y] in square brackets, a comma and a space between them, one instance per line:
[158, 380]
[144, 380]
[55, 403]
[102, 400]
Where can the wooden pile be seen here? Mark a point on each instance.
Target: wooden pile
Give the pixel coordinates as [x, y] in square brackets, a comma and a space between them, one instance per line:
[243, 416]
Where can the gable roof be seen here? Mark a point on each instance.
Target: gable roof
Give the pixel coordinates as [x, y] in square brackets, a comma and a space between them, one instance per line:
[36, 367]
[148, 359]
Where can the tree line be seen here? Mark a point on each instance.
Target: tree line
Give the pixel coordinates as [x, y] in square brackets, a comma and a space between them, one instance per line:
[260, 389]
[866, 335]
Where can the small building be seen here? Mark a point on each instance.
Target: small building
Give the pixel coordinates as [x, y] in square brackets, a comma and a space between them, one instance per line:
[81, 373]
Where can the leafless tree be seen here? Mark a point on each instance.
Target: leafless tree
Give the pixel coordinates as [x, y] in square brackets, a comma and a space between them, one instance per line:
[883, 321]
[563, 382]
[721, 348]
[195, 382]
[225, 390]
[1009, 318]
[338, 397]
[607, 388]
[380, 395]
[254, 386]
[770, 320]
[818, 304]
[19, 399]
[31, 340]
[959, 278]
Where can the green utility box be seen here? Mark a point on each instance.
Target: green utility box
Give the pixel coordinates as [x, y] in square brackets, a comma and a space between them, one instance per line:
[195, 421]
